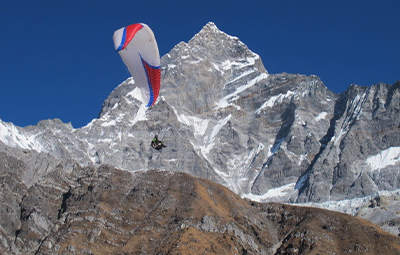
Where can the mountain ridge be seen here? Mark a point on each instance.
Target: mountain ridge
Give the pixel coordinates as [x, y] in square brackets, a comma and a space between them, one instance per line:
[269, 137]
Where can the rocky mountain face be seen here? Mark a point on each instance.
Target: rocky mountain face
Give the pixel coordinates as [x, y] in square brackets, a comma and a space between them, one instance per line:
[267, 137]
[103, 210]
[361, 155]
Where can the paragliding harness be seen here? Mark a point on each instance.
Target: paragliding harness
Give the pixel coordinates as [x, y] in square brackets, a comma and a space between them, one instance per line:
[157, 144]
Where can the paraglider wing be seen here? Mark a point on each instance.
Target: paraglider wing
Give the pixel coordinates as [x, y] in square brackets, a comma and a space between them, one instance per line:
[138, 49]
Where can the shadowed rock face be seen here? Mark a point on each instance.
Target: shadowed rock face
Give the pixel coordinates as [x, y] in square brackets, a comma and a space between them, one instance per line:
[102, 210]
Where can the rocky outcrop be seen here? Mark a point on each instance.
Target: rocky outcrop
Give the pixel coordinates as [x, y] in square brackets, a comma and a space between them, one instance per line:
[102, 210]
[361, 155]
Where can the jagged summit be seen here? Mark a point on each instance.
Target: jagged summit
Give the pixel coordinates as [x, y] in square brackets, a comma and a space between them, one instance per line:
[218, 47]
[212, 64]
[210, 26]
[209, 32]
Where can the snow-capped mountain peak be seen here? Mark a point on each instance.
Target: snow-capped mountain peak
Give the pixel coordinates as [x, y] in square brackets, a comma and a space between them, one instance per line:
[282, 137]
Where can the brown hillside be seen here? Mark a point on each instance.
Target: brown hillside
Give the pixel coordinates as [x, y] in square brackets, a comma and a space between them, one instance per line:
[108, 211]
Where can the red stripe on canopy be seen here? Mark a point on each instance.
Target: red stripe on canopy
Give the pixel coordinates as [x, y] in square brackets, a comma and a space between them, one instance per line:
[131, 31]
[154, 79]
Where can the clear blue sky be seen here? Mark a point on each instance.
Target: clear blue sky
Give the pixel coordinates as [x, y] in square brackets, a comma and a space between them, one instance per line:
[57, 58]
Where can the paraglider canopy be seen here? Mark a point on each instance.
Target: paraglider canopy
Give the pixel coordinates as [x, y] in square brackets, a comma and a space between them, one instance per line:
[138, 49]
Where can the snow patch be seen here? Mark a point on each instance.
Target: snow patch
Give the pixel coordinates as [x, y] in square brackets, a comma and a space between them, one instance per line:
[388, 157]
[321, 116]
[140, 115]
[225, 102]
[106, 140]
[199, 125]
[229, 64]
[171, 66]
[136, 93]
[274, 100]
[209, 141]
[109, 124]
[11, 136]
[353, 113]
[349, 206]
[239, 77]
[282, 191]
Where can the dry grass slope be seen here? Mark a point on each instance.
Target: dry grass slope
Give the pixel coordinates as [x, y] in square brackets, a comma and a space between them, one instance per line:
[109, 211]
